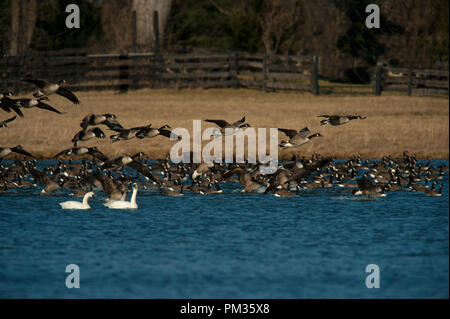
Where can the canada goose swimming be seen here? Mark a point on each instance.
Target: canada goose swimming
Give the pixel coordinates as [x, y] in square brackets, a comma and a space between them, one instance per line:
[5, 151]
[80, 151]
[122, 204]
[418, 187]
[209, 190]
[284, 193]
[153, 132]
[33, 102]
[236, 126]
[339, 119]
[85, 135]
[297, 138]
[46, 88]
[433, 192]
[173, 193]
[8, 104]
[4, 123]
[78, 205]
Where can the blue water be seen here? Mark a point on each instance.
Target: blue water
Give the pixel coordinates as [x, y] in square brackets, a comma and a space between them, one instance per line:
[231, 245]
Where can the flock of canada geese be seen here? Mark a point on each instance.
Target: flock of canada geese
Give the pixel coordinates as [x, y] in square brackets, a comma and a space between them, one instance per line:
[354, 176]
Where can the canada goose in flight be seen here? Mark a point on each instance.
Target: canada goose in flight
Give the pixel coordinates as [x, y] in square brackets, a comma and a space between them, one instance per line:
[123, 204]
[108, 119]
[297, 138]
[153, 132]
[5, 151]
[4, 123]
[78, 205]
[127, 134]
[236, 126]
[33, 102]
[117, 163]
[339, 119]
[46, 88]
[8, 104]
[85, 135]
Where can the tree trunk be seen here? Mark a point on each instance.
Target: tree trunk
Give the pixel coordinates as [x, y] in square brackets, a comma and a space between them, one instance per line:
[23, 20]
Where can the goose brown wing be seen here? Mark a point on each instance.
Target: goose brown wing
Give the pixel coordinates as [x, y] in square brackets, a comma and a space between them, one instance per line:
[38, 82]
[304, 132]
[8, 120]
[289, 133]
[168, 134]
[68, 95]
[141, 168]
[47, 107]
[85, 121]
[220, 123]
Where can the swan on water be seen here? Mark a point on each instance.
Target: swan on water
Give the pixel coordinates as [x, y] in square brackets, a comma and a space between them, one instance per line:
[123, 204]
[78, 205]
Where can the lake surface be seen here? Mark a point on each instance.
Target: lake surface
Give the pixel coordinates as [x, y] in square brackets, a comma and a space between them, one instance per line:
[230, 245]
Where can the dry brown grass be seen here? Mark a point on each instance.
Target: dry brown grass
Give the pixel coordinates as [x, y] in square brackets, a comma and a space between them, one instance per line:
[394, 123]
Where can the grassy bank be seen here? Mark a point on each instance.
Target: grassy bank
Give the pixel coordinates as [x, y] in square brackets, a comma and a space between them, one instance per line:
[394, 123]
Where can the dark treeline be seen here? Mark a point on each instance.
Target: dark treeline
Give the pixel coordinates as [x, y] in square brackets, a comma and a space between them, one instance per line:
[413, 32]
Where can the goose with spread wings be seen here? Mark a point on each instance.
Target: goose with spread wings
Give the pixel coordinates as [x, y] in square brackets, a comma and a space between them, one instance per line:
[85, 135]
[153, 132]
[36, 102]
[7, 104]
[227, 128]
[47, 88]
[297, 138]
[107, 119]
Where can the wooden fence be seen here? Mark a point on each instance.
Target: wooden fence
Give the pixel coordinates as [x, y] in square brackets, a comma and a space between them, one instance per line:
[415, 81]
[147, 70]
[210, 70]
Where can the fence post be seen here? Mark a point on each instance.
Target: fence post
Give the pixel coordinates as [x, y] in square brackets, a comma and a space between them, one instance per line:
[314, 76]
[232, 64]
[409, 81]
[134, 26]
[156, 31]
[264, 73]
[378, 82]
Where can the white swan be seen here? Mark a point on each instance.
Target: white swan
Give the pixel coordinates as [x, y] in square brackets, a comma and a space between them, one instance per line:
[123, 204]
[78, 205]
